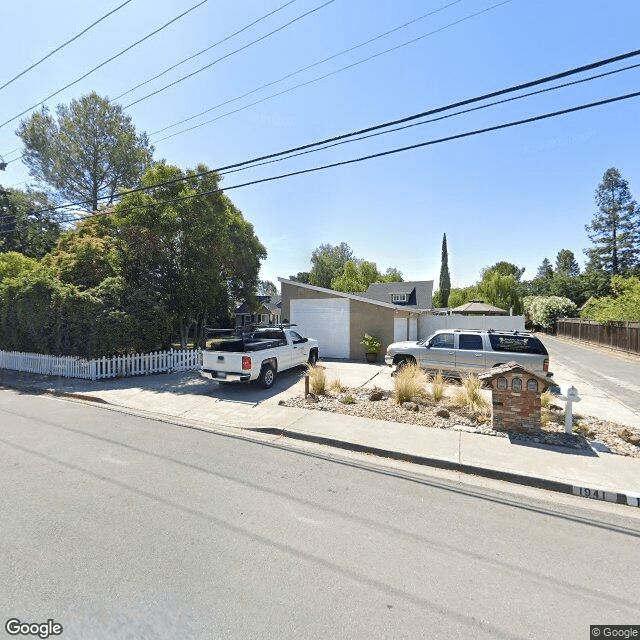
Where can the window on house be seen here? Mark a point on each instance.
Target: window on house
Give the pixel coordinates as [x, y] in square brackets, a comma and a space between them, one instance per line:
[398, 297]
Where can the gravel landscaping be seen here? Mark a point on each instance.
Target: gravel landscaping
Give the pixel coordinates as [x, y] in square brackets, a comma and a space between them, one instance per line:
[422, 412]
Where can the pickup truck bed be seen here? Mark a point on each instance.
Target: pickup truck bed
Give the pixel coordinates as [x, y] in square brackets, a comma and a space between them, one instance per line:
[259, 357]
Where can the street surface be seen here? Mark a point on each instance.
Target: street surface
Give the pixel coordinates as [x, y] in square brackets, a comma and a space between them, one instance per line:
[615, 373]
[117, 526]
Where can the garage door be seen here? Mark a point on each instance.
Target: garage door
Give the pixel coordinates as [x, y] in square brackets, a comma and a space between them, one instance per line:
[326, 320]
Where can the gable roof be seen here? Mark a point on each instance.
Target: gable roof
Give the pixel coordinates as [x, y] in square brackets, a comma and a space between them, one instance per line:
[269, 303]
[418, 292]
[352, 296]
[478, 306]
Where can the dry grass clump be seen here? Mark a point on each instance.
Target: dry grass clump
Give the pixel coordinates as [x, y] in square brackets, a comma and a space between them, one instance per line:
[545, 399]
[410, 381]
[336, 386]
[469, 394]
[317, 380]
[437, 387]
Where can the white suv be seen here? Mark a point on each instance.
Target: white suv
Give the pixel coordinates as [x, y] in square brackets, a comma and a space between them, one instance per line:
[456, 351]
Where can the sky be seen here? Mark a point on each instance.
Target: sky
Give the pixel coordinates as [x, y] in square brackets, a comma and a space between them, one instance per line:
[519, 194]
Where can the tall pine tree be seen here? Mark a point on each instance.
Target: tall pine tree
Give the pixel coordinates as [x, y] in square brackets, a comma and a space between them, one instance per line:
[614, 228]
[445, 279]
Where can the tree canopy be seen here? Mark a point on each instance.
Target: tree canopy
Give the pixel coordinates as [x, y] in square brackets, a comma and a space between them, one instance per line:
[622, 304]
[24, 227]
[357, 276]
[89, 150]
[336, 267]
[198, 255]
[614, 228]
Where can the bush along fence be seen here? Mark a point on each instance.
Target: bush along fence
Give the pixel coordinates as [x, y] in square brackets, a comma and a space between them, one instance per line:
[624, 335]
[98, 368]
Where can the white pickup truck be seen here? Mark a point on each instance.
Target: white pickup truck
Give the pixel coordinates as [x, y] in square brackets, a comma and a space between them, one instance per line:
[259, 356]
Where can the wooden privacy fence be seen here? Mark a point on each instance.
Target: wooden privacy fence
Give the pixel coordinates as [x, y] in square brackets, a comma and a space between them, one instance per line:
[113, 367]
[617, 335]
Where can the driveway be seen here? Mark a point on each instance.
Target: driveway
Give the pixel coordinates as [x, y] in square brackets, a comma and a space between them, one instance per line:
[615, 376]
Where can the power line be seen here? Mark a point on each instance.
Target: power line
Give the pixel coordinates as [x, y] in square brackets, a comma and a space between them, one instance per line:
[450, 115]
[310, 66]
[64, 44]
[102, 64]
[199, 53]
[326, 75]
[390, 123]
[380, 154]
[228, 55]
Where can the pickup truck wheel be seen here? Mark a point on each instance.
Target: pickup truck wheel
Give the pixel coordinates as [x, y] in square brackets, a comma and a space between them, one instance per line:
[405, 361]
[313, 358]
[267, 376]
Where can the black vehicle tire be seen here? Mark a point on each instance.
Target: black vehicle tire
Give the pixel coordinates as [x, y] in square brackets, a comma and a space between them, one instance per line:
[404, 362]
[313, 357]
[267, 376]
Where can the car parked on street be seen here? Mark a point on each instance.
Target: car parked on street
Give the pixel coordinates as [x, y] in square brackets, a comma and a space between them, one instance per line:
[458, 351]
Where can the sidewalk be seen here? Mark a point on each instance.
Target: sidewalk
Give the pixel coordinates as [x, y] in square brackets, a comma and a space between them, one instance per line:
[190, 399]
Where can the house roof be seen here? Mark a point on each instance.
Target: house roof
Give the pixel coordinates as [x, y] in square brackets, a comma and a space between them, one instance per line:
[418, 292]
[355, 296]
[478, 306]
[270, 303]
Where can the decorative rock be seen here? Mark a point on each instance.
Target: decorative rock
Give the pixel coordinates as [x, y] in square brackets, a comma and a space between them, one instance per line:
[282, 403]
[411, 406]
[442, 413]
[376, 395]
[312, 397]
[419, 400]
[632, 437]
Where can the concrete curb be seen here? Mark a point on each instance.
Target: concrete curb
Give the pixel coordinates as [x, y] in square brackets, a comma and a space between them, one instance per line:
[629, 499]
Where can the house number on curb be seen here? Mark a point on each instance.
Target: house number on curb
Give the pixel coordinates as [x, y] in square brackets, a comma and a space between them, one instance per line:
[595, 494]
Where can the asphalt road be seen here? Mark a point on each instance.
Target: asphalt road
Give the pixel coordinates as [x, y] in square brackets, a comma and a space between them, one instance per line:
[117, 526]
[615, 373]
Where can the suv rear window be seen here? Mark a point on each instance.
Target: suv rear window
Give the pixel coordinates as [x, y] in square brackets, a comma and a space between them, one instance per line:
[470, 341]
[516, 344]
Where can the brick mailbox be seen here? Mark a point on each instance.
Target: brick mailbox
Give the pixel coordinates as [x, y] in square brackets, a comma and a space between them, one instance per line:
[516, 395]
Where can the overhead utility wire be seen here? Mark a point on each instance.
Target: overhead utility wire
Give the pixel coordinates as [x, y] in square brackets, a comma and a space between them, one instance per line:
[310, 66]
[199, 53]
[332, 73]
[102, 64]
[431, 120]
[380, 154]
[228, 55]
[64, 44]
[390, 123]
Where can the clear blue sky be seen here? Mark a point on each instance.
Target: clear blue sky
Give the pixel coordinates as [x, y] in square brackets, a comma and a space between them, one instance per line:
[519, 195]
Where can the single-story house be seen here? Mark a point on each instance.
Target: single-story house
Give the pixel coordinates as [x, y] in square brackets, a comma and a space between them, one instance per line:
[267, 312]
[391, 311]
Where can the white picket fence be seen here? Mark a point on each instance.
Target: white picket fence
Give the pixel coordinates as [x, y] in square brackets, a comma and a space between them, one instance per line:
[98, 368]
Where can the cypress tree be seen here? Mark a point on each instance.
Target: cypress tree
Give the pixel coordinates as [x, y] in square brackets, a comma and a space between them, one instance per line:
[445, 279]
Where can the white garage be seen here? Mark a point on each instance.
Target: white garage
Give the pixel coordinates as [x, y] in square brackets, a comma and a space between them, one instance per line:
[326, 320]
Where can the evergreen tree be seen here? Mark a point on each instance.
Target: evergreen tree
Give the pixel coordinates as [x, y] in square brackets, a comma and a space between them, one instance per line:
[445, 279]
[614, 228]
[566, 263]
[545, 270]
